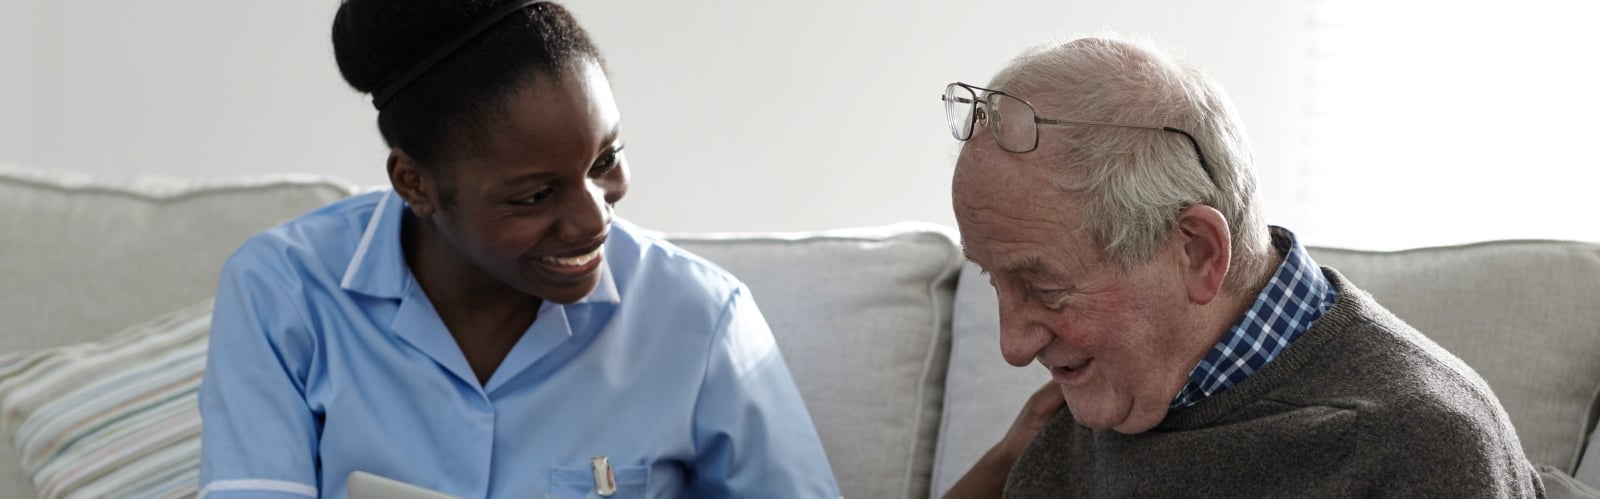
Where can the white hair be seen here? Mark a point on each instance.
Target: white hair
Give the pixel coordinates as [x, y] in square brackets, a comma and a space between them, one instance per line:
[1132, 182]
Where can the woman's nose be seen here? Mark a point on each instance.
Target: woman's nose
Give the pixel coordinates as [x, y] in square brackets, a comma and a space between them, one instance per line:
[587, 217]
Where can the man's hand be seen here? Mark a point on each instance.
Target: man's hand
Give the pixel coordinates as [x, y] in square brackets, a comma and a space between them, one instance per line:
[987, 478]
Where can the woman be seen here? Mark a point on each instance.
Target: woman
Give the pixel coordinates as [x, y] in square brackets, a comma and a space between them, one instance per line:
[487, 328]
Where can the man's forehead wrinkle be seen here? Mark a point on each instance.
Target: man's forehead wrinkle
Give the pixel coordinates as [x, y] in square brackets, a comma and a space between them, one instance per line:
[1004, 226]
[1016, 248]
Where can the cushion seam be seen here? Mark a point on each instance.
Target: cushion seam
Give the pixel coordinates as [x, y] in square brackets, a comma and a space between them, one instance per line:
[927, 369]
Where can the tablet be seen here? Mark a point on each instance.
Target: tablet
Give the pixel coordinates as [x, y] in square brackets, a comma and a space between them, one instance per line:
[365, 485]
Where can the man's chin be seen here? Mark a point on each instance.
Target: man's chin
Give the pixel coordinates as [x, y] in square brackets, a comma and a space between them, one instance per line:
[1133, 426]
[1121, 420]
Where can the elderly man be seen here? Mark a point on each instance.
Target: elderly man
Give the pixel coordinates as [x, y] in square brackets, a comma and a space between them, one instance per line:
[1109, 194]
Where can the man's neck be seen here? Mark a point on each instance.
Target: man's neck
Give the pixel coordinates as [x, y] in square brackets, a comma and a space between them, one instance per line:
[1219, 317]
[1237, 304]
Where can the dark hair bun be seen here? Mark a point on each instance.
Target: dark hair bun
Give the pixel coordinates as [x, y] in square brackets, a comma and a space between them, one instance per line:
[376, 41]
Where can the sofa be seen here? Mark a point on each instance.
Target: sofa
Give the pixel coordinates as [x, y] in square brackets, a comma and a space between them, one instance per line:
[890, 335]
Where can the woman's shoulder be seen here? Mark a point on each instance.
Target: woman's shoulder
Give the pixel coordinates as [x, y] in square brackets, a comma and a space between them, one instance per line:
[323, 239]
[645, 258]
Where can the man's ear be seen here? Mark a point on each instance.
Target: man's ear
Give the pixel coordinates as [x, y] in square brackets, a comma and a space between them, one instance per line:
[414, 186]
[1207, 251]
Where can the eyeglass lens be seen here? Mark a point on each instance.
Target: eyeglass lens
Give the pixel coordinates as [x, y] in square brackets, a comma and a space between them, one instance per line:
[1013, 123]
[1010, 119]
[959, 103]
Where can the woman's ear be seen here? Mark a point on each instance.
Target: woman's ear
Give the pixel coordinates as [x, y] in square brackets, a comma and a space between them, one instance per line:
[414, 186]
[1207, 251]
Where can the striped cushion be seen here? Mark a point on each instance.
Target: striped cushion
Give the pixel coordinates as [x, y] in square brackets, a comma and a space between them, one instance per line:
[113, 418]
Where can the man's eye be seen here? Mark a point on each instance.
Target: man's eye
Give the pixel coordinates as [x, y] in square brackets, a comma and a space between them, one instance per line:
[1051, 298]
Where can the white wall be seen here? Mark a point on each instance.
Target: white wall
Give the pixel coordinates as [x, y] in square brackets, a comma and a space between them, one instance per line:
[758, 115]
[189, 88]
[1445, 132]
[18, 46]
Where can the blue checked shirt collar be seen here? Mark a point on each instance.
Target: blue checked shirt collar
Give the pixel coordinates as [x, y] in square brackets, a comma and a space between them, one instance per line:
[1295, 297]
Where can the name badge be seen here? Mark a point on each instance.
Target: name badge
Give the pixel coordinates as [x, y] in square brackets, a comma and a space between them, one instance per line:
[605, 483]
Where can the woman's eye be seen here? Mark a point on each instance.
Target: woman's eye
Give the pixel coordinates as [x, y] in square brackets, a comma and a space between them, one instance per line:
[535, 199]
[606, 162]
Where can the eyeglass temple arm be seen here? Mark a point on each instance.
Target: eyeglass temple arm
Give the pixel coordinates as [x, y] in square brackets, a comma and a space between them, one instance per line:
[1204, 165]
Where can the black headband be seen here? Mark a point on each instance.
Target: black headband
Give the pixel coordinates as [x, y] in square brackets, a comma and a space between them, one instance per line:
[385, 93]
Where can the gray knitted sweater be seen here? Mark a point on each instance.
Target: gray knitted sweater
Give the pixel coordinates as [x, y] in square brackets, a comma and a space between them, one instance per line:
[1360, 405]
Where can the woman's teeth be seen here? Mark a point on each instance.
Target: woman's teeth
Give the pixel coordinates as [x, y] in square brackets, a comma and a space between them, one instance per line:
[573, 261]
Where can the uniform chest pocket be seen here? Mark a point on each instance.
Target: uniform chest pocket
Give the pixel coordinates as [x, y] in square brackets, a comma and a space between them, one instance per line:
[578, 483]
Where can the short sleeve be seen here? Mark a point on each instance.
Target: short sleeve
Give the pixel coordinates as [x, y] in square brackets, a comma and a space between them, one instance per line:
[258, 436]
[752, 433]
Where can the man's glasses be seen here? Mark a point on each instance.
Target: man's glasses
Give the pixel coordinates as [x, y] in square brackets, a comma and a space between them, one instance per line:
[1014, 124]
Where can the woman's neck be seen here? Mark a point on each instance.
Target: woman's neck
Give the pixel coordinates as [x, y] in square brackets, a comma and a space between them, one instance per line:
[455, 285]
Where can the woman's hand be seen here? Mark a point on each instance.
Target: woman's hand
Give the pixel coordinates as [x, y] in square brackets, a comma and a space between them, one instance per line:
[987, 478]
[1040, 408]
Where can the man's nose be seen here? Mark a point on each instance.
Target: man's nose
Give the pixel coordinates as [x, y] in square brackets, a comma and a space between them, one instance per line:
[1020, 338]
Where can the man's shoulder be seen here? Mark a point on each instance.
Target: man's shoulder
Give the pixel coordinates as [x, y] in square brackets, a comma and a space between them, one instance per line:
[1423, 397]
[1413, 398]
[1368, 360]
[1455, 422]
[1380, 355]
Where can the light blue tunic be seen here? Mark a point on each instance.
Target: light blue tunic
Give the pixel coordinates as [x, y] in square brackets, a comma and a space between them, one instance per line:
[326, 357]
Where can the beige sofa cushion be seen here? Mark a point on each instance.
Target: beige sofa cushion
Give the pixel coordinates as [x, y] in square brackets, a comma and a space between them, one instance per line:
[111, 418]
[86, 256]
[1524, 314]
[1559, 485]
[983, 393]
[83, 257]
[1589, 468]
[863, 319]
